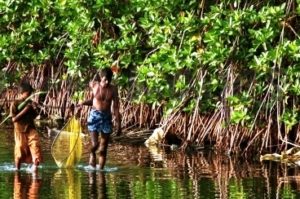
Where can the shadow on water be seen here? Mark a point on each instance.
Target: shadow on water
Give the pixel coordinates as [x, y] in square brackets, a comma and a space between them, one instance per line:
[139, 172]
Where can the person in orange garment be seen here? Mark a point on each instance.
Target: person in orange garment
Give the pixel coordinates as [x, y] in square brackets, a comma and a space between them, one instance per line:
[105, 97]
[27, 142]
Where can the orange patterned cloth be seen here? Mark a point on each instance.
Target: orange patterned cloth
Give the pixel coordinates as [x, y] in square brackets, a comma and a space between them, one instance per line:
[27, 145]
[27, 141]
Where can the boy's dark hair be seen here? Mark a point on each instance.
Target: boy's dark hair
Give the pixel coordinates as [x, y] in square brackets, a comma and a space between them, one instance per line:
[26, 87]
[106, 72]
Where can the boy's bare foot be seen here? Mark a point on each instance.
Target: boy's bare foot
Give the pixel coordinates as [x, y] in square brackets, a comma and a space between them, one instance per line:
[34, 168]
[92, 161]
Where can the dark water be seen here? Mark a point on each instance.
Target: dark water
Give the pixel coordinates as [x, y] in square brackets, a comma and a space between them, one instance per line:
[137, 172]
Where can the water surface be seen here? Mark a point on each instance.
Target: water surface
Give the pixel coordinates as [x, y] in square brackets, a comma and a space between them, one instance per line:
[139, 172]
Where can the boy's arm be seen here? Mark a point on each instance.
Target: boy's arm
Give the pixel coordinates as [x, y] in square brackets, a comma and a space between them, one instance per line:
[12, 109]
[21, 113]
[87, 102]
[116, 111]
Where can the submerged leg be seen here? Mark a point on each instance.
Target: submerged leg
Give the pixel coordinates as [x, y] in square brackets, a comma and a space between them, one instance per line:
[95, 145]
[103, 149]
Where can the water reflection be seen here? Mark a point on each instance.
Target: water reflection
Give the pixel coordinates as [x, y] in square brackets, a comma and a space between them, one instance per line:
[67, 184]
[26, 186]
[97, 185]
[141, 173]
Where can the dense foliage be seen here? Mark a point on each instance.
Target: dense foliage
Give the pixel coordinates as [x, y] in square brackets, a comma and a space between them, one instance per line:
[240, 58]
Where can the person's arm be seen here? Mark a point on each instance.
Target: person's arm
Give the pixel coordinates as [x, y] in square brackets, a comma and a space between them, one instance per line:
[87, 102]
[116, 111]
[12, 109]
[21, 113]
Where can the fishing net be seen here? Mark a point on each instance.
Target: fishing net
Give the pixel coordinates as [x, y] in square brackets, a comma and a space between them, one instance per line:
[66, 148]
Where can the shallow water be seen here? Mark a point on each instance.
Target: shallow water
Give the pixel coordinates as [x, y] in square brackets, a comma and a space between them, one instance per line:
[137, 172]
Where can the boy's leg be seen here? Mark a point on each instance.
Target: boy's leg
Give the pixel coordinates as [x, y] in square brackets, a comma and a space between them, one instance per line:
[95, 145]
[35, 165]
[35, 149]
[17, 163]
[103, 149]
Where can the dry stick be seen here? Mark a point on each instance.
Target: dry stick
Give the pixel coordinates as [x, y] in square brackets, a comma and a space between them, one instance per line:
[54, 79]
[196, 111]
[42, 76]
[39, 77]
[202, 6]
[253, 139]
[132, 89]
[231, 80]
[278, 85]
[251, 86]
[194, 127]
[165, 123]
[183, 125]
[193, 120]
[147, 116]
[126, 116]
[52, 102]
[136, 115]
[141, 114]
[156, 114]
[213, 123]
[223, 118]
[232, 139]
[267, 133]
[183, 121]
[297, 136]
[131, 114]
[58, 94]
[287, 142]
[197, 129]
[260, 107]
[144, 113]
[203, 124]
[130, 95]
[171, 123]
[183, 101]
[239, 137]
[209, 125]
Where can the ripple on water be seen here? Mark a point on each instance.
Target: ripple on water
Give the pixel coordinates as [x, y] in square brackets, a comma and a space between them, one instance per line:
[7, 167]
[97, 168]
[10, 167]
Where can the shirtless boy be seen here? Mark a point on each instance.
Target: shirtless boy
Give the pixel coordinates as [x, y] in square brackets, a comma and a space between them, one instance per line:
[104, 98]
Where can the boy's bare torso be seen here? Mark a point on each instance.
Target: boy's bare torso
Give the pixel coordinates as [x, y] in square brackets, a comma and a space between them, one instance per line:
[103, 96]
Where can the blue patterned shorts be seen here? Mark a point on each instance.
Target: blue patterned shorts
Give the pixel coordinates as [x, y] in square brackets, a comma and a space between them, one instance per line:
[99, 121]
